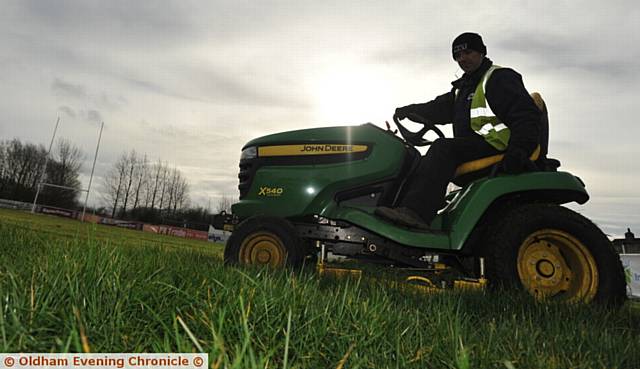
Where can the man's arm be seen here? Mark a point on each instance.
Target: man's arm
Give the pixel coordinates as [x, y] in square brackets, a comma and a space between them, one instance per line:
[510, 101]
[438, 110]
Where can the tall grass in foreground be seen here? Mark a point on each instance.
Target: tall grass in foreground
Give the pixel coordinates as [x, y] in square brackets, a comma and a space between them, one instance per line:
[85, 293]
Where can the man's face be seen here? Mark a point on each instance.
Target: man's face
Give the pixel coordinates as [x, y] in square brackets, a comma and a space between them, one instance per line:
[469, 60]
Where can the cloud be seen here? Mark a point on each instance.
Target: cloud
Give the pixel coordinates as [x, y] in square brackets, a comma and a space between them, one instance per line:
[78, 93]
[60, 87]
[158, 89]
[564, 52]
[93, 116]
[191, 82]
[245, 88]
[219, 85]
[118, 18]
[109, 102]
[68, 111]
[408, 55]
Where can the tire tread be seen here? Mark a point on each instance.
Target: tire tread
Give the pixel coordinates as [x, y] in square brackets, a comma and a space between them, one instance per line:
[280, 227]
[510, 230]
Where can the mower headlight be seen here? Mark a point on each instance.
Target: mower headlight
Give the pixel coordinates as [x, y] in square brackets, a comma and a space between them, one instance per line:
[249, 153]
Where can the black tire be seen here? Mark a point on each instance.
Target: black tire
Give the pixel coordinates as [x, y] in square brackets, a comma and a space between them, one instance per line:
[265, 241]
[554, 253]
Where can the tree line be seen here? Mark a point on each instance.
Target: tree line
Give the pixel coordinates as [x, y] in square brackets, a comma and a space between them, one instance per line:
[21, 170]
[135, 188]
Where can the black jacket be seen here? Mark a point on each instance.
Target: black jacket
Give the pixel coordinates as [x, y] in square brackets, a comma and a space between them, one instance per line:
[507, 97]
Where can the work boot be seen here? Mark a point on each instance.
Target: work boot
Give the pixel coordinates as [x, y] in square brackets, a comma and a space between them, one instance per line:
[403, 216]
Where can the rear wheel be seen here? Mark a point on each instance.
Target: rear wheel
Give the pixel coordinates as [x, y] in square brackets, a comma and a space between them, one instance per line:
[264, 241]
[554, 253]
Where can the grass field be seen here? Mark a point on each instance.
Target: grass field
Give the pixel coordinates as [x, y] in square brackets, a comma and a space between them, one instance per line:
[67, 286]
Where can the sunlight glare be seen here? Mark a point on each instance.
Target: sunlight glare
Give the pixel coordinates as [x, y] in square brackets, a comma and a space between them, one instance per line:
[347, 94]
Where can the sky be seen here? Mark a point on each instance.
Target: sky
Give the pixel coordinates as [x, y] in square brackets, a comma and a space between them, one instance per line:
[189, 82]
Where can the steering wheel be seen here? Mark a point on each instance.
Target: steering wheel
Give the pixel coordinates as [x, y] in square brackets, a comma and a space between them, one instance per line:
[416, 138]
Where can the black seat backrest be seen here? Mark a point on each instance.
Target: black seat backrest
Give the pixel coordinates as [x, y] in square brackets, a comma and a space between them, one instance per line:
[544, 163]
[544, 125]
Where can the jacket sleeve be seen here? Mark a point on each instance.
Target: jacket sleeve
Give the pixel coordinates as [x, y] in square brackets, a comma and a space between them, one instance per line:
[438, 110]
[510, 101]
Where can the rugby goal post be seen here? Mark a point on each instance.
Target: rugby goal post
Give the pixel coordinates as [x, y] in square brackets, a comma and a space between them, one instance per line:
[42, 184]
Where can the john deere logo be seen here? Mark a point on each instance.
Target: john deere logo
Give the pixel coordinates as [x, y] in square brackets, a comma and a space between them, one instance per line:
[270, 191]
[327, 148]
[310, 149]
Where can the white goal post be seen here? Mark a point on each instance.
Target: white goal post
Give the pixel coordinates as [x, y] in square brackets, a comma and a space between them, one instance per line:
[42, 184]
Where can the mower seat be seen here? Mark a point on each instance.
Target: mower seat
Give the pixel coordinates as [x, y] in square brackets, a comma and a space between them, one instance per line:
[479, 168]
[482, 163]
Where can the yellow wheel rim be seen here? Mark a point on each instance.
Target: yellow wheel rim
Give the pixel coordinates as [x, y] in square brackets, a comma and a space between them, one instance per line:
[554, 264]
[263, 248]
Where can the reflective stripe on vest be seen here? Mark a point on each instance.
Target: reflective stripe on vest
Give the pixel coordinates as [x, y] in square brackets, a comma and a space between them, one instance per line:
[483, 120]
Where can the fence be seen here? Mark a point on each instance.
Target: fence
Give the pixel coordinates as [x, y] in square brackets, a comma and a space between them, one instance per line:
[10, 204]
[97, 219]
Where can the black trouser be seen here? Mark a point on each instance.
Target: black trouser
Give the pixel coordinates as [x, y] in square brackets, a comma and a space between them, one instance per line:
[428, 185]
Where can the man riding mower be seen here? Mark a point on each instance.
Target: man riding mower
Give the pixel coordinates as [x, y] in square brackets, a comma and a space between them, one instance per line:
[364, 193]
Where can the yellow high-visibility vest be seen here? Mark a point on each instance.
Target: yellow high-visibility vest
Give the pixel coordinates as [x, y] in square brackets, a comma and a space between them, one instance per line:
[483, 120]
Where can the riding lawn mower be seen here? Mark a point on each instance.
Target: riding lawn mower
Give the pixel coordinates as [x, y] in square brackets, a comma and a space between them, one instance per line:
[310, 195]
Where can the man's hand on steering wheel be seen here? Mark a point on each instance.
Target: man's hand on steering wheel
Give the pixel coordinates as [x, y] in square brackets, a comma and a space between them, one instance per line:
[415, 138]
[401, 113]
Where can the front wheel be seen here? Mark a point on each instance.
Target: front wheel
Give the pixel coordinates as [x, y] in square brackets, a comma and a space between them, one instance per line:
[554, 253]
[264, 241]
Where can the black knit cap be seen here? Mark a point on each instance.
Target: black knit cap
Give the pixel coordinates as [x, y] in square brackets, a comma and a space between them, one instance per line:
[468, 41]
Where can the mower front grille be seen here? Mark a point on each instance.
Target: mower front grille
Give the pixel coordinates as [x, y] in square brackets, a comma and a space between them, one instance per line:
[245, 176]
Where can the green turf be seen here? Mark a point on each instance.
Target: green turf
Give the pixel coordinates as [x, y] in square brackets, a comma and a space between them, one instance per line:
[67, 286]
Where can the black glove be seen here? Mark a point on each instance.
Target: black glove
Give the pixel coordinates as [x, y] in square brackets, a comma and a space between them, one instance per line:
[402, 113]
[515, 161]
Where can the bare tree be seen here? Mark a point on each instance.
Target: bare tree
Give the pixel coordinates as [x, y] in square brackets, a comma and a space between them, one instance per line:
[141, 176]
[174, 180]
[148, 184]
[113, 183]
[179, 191]
[183, 194]
[163, 183]
[63, 170]
[70, 157]
[167, 188]
[3, 166]
[133, 183]
[22, 166]
[158, 173]
[26, 163]
[131, 163]
[224, 203]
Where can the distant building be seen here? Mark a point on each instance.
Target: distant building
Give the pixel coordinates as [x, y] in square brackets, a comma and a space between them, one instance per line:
[627, 245]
